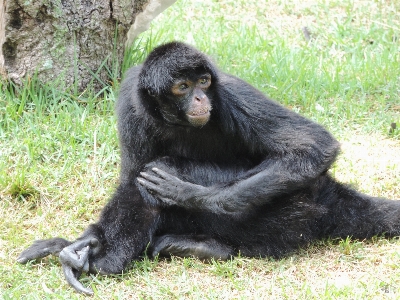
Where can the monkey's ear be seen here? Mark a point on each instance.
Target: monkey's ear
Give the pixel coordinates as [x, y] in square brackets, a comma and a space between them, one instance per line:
[151, 93]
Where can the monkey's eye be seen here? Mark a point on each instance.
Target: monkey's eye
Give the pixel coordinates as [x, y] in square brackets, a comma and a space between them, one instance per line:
[203, 80]
[183, 87]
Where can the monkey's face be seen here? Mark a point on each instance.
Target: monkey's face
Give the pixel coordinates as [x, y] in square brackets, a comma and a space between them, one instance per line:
[188, 102]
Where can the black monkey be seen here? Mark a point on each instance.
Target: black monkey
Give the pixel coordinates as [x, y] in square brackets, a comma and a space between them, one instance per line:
[210, 167]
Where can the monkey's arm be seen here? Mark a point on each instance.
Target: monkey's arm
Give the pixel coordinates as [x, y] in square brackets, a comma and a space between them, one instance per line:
[296, 151]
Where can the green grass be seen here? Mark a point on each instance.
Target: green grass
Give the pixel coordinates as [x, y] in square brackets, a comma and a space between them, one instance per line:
[59, 151]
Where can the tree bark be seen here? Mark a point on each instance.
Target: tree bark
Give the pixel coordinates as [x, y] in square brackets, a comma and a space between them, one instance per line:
[78, 42]
[2, 37]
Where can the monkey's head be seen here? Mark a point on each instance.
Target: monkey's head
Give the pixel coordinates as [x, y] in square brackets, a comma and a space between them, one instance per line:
[176, 83]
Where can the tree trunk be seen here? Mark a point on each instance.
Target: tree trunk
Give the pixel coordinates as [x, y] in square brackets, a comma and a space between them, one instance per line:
[78, 42]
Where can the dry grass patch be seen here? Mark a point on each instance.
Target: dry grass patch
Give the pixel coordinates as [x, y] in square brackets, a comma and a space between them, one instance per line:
[371, 163]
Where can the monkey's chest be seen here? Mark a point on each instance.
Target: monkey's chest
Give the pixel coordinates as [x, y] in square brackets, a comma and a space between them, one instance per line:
[212, 148]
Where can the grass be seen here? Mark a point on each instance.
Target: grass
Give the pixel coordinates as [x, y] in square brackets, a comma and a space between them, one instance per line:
[59, 151]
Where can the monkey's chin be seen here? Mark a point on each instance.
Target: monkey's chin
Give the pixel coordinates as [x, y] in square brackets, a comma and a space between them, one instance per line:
[198, 120]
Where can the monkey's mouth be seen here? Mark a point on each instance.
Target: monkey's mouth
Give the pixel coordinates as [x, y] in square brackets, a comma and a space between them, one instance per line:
[199, 117]
[199, 112]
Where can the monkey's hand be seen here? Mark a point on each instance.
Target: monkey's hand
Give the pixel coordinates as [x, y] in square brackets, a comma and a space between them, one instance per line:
[73, 256]
[171, 190]
[43, 248]
[75, 260]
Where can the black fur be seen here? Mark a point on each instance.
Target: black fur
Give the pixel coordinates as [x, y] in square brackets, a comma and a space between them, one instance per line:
[252, 180]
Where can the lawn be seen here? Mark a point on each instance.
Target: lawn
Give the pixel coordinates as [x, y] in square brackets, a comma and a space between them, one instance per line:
[336, 62]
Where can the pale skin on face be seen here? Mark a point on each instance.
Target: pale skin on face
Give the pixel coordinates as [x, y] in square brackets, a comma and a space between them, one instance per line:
[199, 112]
[184, 86]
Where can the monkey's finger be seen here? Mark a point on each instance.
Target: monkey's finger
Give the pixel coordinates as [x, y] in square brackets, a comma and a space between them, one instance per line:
[42, 248]
[31, 254]
[152, 178]
[94, 243]
[167, 200]
[74, 282]
[150, 186]
[84, 258]
[165, 175]
[71, 258]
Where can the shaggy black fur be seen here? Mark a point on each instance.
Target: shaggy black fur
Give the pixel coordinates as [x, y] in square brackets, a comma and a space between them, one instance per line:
[251, 177]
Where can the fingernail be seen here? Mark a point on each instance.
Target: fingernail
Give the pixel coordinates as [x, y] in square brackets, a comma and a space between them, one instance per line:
[22, 260]
[94, 242]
